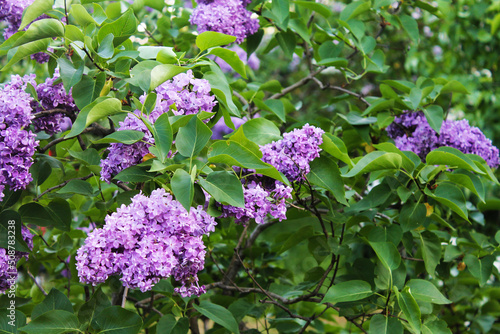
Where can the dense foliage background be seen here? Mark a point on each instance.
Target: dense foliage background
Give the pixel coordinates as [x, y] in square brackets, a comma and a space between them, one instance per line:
[375, 240]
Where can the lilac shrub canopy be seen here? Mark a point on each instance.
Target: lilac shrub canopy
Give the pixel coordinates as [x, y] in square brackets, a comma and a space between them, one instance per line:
[412, 132]
[152, 238]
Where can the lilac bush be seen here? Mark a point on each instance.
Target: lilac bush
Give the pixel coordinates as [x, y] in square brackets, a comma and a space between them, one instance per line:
[152, 238]
[412, 132]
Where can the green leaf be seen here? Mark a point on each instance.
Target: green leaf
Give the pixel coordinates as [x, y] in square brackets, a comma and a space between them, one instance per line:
[336, 147]
[436, 326]
[34, 11]
[77, 187]
[261, 131]
[450, 196]
[326, 174]
[134, 174]
[73, 34]
[427, 292]
[380, 324]
[192, 138]
[449, 156]
[354, 9]
[410, 308]
[415, 97]
[183, 188]
[18, 53]
[375, 161]
[232, 59]
[106, 48]
[10, 323]
[34, 213]
[210, 39]
[122, 28]
[41, 29]
[163, 134]
[454, 86]
[88, 89]
[221, 89]
[117, 320]
[94, 306]
[431, 251]
[410, 25]
[295, 238]
[6, 218]
[434, 115]
[412, 215]
[55, 300]
[219, 315]
[470, 181]
[60, 213]
[387, 254]
[281, 12]
[319, 8]
[480, 268]
[122, 136]
[89, 156]
[69, 74]
[81, 16]
[93, 112]
[277, 107]
[348, 291]
[164, 72]
[53, 322]
[335, 62]
[169, 325]
[407, 163]
[225, 187]
[286, 40]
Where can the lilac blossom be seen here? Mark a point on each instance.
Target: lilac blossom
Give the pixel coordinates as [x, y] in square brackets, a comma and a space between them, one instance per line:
[292, 154]
[412, 132]
[220, 129]
[52, 95]
[261, 199]
[184, 93]
[228, 17]
[151, 239]
[17, 145]
[8, 273]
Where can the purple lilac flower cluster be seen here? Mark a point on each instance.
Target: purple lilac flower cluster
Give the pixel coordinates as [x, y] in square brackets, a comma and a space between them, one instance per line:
[261, 199]
[292, 154]
[150, 239]
[17, 145]
[225, 16]
[52, 95]
[412, 132]
[188, 94]
[7, 273]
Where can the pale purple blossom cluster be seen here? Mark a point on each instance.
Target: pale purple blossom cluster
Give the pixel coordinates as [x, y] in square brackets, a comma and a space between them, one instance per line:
[17, 144]
[229, 17]
[292, 154]
[184, 93]
[11, 11]
[412, 132]
[8, 274]
[52, 95]
[151, 239]
[260, 200]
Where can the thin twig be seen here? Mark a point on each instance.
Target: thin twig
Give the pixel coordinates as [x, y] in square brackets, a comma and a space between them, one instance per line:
[124, 298]
[36, 283]
[298, 84]
[61, 185]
